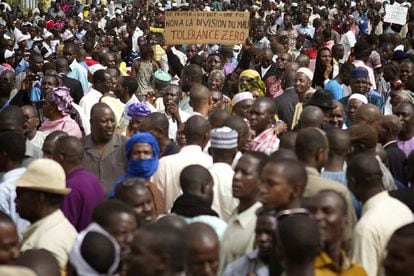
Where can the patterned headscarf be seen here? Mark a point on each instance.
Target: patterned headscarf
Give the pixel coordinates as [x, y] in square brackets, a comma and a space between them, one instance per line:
[255, 83]
[138, 110]
[60, 97]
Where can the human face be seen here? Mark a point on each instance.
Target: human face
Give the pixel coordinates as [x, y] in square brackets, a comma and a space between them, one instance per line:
[281, 61]
[259, 32]
[275, 191]
[48, 108]
[171, 95]
[69, 54]
[203, 260]
[243, 108]
[141, 259]
[103, 124]
[287, 21]
[217, 100]
[406, 72]
[141, 151]
[142, 204]
[185, 82]
[326, 57]
[191, 51]
[388, 52]
[245, 178]
[47, 84]
[360, 85]
[336, 117]
[267, 59]
[405, 112]
[110, 60]
[106, 85]
[260, 117]
[265, 228]
[37, 64]
[302, 83]
[215, 82]
[326, 211]
[121, 227]
[31, 121]
[353, 106]
[213, 62]
[9, 243]
[25, 204]
[400, 258]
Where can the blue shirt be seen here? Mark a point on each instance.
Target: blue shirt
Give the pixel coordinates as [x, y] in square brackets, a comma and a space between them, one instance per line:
[335, 88]
[78, 72]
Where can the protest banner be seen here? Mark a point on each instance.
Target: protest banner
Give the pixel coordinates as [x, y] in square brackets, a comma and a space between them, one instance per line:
[395, 14]
[206, 27]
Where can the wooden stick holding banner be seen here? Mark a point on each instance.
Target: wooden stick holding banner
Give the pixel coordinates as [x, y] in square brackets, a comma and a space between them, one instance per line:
[206, 27]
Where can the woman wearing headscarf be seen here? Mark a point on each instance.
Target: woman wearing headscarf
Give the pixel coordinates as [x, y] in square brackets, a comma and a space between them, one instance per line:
[250, 80]
[56, 108]
[142, 152]
[137, 112]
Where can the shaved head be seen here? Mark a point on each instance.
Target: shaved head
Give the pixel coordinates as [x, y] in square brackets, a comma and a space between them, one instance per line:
[311, 116]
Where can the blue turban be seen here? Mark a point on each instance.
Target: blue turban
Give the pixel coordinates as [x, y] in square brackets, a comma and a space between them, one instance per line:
[143, 168]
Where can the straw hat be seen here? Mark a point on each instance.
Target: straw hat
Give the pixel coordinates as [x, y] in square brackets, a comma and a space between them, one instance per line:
[44, 175]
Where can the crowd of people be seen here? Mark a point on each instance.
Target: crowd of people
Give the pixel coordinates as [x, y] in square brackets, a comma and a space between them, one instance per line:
[122, 153]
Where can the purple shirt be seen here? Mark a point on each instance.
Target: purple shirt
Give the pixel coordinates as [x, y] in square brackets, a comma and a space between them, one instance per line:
[86, 193]
[406, 146]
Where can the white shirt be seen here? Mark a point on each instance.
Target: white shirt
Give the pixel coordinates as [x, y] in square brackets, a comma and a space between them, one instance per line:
[381, 216]
[348, 40]
[84, 120]
[223, 201]
[360, 63]
[38, 140]
[173, 126]
[89, 100]
[7, 197]
[240, 236]
[167, 176]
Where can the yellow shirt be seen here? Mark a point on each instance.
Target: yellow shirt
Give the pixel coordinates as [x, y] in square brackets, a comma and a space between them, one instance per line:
[53, 233]
[324, 266]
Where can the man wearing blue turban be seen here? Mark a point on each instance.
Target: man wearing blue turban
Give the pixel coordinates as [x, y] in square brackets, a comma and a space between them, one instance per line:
[142, 152]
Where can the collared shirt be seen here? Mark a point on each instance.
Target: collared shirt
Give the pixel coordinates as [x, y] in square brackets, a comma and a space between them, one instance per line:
[167, 176]
[381, 216]
[53, 233]
[317, 183]
[324, 266]
[239, 236]
[305, 30]
[108, 166]
[78, 72]
[249, 264]
[116, 105]
[223, 201]
[89, 100]
[32, 153]
[262, 43]
[7, 197]
[86, 194]
[173, 125]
